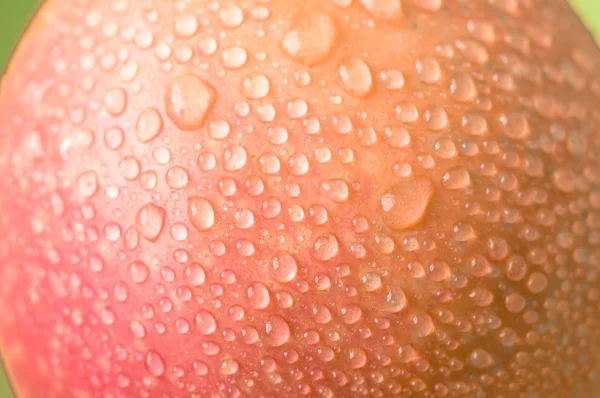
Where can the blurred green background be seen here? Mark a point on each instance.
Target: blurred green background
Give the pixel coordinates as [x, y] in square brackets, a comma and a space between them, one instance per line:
[14, 15]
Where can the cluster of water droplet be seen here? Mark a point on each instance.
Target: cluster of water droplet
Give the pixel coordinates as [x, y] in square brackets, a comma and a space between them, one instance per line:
[323, 214]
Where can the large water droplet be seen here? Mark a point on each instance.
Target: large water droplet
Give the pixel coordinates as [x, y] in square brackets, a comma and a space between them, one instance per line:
[276, 331]
[234, 157]
[87, 183]
[155, 363]
[336, 190]
[201, 213]
[356, 77]
[149, 125]
[194, 274]
[206, 323]
[326, 247]
[258, 296]
[138, 272]
[312, 38]
[150, 221]
[284, 267]
[395, 299]
[406, 203]
[188, 101]
[385, 10]
[256, 86]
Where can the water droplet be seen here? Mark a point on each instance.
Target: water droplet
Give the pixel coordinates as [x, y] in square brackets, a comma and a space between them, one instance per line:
[298, 164]
[129, 167]
[428, 70]
[312, 38]
[406, 203]
[391, 79]
[155, 364]
[350, 314]
[537, 282]
[234, 158]
[357, 358]
[206, 323]
[243, 218]
[463, 87]
[177, 177]
[276, 331]
[87, 183]
[326, 247]
[395, 299]
[516, 125]
[258, 296]
[231, 16]
[385, 10]
[284, 267]
[149, 125]
[229, 367]
[137, 329]
[188, 101]
[138, 272]
[480, 358]
[336, 190]
[234, 57]
[114, 137]
[456, 178]
[186, 26]
[150, 220]
[371, 281]
[201, 213]
[428, 5]
[356, 77]
[115, 101]
[194, 275]
[121, 292]
[564, 179]
[256, 86]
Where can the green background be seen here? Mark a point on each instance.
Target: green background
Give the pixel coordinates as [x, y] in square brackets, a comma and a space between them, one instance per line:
[14, 15]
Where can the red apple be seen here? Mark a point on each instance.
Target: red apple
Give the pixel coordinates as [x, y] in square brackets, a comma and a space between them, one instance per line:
[336, 198]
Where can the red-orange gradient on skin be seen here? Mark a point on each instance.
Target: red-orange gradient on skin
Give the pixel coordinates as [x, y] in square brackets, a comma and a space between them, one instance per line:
[334, 198]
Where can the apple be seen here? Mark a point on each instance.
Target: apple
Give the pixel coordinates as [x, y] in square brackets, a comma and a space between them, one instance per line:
[286, 198]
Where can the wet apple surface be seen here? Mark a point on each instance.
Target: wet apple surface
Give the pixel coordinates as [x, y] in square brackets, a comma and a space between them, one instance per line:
[337, 198]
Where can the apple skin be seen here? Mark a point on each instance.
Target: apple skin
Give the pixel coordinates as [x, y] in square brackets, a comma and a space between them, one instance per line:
[337, 198]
